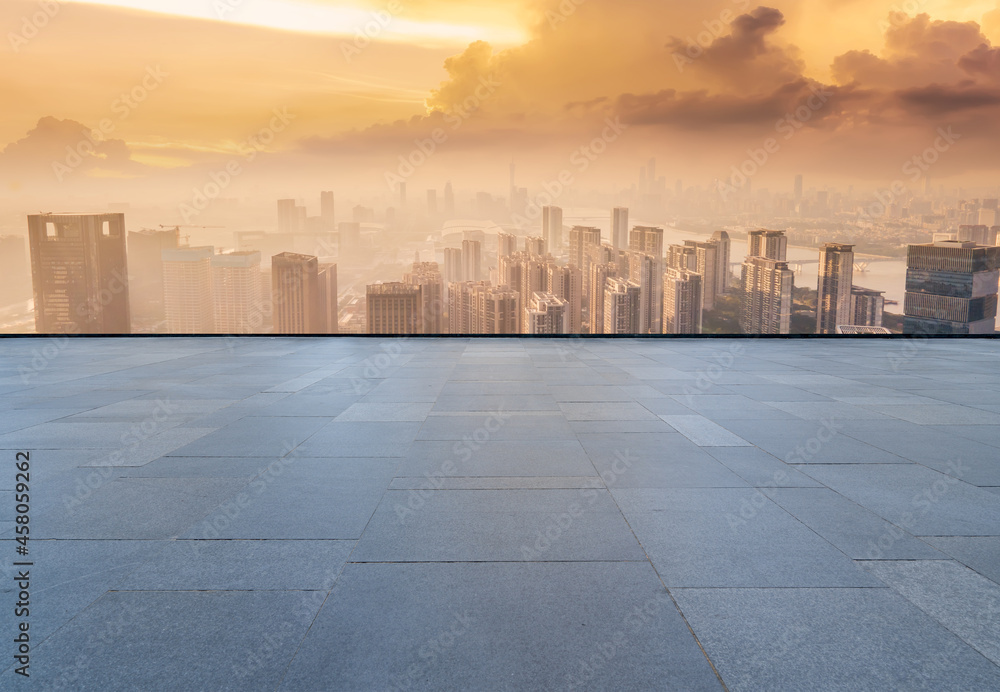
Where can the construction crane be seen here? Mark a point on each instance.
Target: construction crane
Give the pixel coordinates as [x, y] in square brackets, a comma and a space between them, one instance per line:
[186, 237]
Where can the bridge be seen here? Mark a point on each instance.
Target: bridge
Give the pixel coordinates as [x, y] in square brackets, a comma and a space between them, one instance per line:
[860, 265]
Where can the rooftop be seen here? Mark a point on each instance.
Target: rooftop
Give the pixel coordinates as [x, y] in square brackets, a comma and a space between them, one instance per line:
[365, 513]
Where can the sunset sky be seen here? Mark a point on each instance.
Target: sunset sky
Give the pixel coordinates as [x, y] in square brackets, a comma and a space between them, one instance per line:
[560, 70]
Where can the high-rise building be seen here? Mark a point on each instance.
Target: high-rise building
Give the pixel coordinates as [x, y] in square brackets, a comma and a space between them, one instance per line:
[546, 314]
[187, 290]
[767, 244]
[506, 244]
[836, 278]
[767, 296]
[302, 297]
[288, 216]
[722, 272]
[453, 270]
[951, 288]
[427, 275]
[496, 310]
[237, 293]
[394, 308]
[567, 283]
[987, 217]
[599, 274]
[462, 306]
[619, 228]
[978, 234]
[682, 295]
[867, 307]
[621, 307]
[646, 272]
[145, 268]
[326, 211]
[706, 259]
[79, 273]
[449, 199]
[582, 241]
[535, 245]
[552, 222]
[472, 260]
[534, 279]
[646, 239]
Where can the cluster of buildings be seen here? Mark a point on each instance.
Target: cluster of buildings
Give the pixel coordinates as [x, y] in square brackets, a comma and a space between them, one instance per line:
[91, 276]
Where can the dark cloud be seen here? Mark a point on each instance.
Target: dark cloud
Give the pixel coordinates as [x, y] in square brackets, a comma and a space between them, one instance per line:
[941, 99]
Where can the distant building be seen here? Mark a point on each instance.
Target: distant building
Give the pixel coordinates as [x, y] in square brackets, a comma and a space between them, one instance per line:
[79, 273]
[599, 274]
[394, 308]
[767, 296]
[535, 245]
[289, 216]
[326, 211]
[237, 293]
[621, 307]
[497, 310]
[706, 261]
[767, 244]
[682, 296]
[506, 244]
[723, 272]
[145, 265]
[427, 275]
[567, 283]
[187, 290]
[552, 223]
[867, 307]
[619, 228]
[349, 241]
[581, 239]
[647, 240]
[547, 314]
[303, 294]
[835, 281]
[858, 330]
[951, 288]
[646, 272]
[472, 260]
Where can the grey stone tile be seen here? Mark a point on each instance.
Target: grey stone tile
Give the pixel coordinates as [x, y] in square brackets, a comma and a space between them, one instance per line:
[726, 537]
[18, 419]
[704, 432]
[964, 602]
[774, 392]
[582, 393]
[499, 425]
[424, 483]
[360, 439]
[829, 639]
[240, 565]
[199, 467]
[923, 501]
[760, 469]
[655, 425]
[309, 405]
[981, 553]
[144, 450]
[732, 407]
[136, 508]
[827, 410]
[665, 406]
[605, 411]
[941, 414]
[812, 442]
[497, 525]
[497, 458]
[227, 640]
[542, 623]
[253, 437]
[496, 402]
[860, 534]
[367, 411]
[986, 434]
[678, 463]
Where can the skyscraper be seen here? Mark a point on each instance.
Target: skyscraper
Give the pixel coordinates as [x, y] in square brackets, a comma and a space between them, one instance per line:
[866, 307]
[646, 239]
[349, 242]
[706, 260]
[145, 267]
[567, 283]
[449, 199]
[599, 274]
[472, 260]
[303, 300]
[462, 316]
[496, 310]
[723, 271]
[581, 240]
[682, 295]
[552, 222]
[506, 244]
[427, 275]
[453, 271]
[394, 308]
[951, 288]
[288, 216]
[237, 293]
[836, 278]
[646, 272]
[619, 228]
[546, 314]
[621, 307]
[767, 296]
[79, 273]
[187, 290]
[535, 245]
[767, 244]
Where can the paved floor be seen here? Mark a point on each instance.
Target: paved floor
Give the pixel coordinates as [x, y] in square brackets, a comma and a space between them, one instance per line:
[364, 514]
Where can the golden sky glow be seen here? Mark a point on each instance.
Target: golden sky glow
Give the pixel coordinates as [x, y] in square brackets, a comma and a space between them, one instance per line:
[364, 89]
